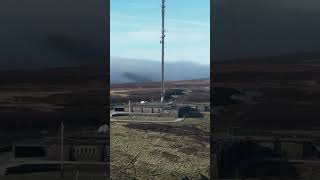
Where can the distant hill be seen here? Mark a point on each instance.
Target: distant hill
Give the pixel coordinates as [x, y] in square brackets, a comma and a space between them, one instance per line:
[123, 70]
[78, 76]
[282, 58]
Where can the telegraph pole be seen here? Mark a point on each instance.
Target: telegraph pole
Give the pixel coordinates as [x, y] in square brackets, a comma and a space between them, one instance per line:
[163, 6]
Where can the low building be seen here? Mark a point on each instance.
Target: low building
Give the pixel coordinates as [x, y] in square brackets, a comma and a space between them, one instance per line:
[90, 146]
[86, 146]
[174, 112]
[158, 109]
[147, 109]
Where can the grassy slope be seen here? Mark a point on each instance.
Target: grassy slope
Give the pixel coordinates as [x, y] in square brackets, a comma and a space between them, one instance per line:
[161, 151]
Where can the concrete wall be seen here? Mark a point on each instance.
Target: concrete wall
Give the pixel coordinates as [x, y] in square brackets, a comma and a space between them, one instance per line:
[147, 109]
[53, 152]
[153, 110]
[94, 153]
[156, 110]
[136, 109]
[88, 153]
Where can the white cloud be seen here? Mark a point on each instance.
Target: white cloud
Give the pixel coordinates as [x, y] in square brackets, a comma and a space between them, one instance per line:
[188, 22]
[139, 37]
[124, 19]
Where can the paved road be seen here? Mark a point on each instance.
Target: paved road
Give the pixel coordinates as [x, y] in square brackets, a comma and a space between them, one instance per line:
[112, 113]
[137, 121]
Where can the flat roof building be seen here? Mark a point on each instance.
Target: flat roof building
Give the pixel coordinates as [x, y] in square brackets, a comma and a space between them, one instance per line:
[84, 146]
[163, 109]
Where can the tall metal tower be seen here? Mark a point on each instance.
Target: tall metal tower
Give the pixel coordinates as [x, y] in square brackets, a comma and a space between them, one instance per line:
[163, 7]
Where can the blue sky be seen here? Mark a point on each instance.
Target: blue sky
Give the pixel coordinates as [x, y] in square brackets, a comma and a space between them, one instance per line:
[135, 30]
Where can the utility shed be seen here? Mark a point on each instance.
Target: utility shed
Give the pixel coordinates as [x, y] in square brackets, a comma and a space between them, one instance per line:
[165, 109]
[170, 112]
[187, 111]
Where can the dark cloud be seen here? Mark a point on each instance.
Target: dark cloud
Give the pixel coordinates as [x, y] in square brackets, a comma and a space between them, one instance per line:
[245, 28]
[124, 70]
[136, 77]
[82, 51]
[47, 33]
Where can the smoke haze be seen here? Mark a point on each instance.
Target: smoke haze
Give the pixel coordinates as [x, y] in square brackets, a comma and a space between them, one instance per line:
[123, 70]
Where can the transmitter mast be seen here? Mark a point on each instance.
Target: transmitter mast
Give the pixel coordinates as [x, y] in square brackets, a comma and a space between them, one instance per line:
[163, 7]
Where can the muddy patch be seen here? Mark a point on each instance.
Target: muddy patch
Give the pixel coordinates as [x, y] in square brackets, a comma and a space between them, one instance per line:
[184, 130]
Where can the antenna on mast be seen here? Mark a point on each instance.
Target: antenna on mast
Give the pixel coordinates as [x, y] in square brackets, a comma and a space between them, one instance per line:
[163, 7]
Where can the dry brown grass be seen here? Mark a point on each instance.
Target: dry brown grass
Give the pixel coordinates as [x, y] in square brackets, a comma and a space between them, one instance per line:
[159, 153]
